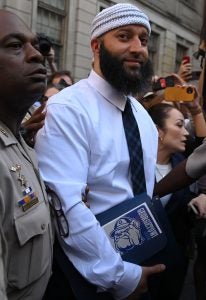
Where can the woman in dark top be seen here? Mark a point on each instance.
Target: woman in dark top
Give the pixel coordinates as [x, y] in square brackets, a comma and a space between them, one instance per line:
[172, 143]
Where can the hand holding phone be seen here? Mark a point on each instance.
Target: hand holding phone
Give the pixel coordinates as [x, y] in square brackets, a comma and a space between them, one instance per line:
[163, 82]
[186, 59]
[194, 208]
[198, 206]
[185, 68]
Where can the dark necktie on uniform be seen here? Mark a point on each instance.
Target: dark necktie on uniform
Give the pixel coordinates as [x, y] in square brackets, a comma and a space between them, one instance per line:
[135, 149]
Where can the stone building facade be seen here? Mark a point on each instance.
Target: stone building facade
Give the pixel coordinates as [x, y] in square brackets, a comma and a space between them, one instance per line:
[175, 29]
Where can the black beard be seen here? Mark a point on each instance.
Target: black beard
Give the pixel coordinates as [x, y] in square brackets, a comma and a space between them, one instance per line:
[136, 82]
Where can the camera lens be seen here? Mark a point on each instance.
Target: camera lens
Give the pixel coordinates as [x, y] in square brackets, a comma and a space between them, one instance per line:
[189, 90]
[44, 45]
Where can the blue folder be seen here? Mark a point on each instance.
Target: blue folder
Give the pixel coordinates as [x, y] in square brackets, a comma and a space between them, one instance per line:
[134, 229]
[153, 247]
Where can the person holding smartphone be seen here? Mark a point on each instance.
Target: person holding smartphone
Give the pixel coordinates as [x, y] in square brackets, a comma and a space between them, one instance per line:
[185, 69]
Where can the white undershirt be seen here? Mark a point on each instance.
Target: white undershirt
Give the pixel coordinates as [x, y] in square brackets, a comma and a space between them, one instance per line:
[160, 172]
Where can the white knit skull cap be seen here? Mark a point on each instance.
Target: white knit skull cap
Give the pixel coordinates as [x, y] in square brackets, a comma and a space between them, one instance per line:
[118, 15]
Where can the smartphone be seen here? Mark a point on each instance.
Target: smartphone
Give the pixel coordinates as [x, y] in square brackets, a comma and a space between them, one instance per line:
[196, 75]
[179, 93]
[186, 59]
[162, 83]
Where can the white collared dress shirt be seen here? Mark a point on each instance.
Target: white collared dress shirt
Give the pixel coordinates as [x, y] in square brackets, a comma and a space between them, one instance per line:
[83, 143]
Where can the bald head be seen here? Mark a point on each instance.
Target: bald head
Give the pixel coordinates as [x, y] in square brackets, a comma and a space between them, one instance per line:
[9, 20]
[22, 73]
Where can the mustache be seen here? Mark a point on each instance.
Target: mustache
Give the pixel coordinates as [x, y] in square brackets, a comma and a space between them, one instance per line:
[138, 58]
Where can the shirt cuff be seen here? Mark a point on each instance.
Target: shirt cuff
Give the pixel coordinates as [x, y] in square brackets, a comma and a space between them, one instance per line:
[128, 282]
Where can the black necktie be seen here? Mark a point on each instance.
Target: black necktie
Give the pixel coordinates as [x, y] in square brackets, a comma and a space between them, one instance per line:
[135, 149]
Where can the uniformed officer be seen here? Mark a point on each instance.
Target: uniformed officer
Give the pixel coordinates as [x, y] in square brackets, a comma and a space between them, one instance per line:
[24, 209]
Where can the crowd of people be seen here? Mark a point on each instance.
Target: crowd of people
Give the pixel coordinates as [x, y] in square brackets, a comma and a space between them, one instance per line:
[70, 152]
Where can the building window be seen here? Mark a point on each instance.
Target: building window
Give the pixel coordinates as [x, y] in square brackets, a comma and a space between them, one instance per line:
[103, 4]
[50, 22]
[59, 4]
[180, 52]
[153, 47]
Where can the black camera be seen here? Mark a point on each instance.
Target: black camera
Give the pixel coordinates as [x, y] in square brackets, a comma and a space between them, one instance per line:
[162, 83]
[44, 44]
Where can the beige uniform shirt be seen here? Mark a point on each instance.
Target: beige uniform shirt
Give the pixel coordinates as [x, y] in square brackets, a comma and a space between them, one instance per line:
[3, 253]
[196, 162]
[25, 217]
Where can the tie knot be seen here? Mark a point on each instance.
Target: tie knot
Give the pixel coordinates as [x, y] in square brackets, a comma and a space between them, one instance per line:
[128, 107]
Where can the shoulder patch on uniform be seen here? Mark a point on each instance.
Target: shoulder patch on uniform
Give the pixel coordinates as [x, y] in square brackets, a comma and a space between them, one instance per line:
[4, 132]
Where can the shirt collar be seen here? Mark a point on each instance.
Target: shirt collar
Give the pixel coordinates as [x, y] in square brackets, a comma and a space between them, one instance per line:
[107, 91]
[8, 139]
[6, 136]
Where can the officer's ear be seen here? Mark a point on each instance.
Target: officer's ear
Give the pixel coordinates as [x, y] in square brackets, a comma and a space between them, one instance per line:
[95, 45]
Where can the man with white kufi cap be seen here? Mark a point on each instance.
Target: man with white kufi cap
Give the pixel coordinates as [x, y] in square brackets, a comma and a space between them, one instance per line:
[88, 146]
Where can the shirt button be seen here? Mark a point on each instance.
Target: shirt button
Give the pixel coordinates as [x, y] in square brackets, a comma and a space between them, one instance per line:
[43, 226]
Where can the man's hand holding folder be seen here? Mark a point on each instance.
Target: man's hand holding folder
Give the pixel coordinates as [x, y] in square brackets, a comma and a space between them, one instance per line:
[142, 286]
